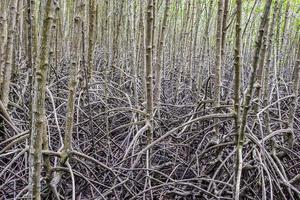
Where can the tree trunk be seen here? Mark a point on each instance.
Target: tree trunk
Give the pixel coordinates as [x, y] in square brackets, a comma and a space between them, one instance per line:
[248, 97]
[9, 53]
[218, 61]
[160, 49]
[39, 123]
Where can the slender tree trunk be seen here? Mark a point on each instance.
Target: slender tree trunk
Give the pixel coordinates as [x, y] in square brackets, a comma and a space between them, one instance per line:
[196, 70]
[260, 70]
[74, 69]
[9, 53]
[3, 32]
[73, 81]
[189, 75]
[141, 62]
[160, 49]
[283, 39]
[39, 123]
[218, 66]
[134, 53]
[237, 89]
[267, 66]
[148, 77]
[91, 41]
[218, 71]
[248, 97]
[182, 45]
[174, 49]
[32, 54]
[205, 45]
[293, 104]
[224, 31]
[90, 63]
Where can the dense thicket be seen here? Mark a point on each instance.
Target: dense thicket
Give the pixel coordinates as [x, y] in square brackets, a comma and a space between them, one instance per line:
[149, 99]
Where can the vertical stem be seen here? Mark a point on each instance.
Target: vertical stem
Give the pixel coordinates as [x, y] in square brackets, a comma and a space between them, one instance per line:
[224, 30]
[74, 67]
[39, 123]
[237, 89]
[3, 30]
[248, 96]
[217, 71]
[293, 104]
[260, 68]
[160, 49]
[9, 53]
[265, 87]
[92, 12]
[89, 71]
[148, 67]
